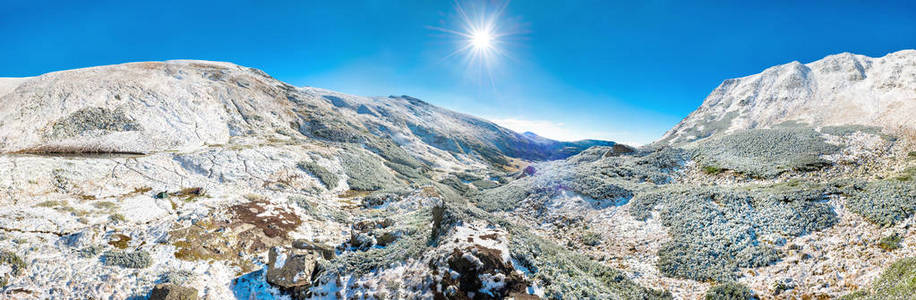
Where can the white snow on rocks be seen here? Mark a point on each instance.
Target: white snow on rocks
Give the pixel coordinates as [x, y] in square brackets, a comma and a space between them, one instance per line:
[836, 90]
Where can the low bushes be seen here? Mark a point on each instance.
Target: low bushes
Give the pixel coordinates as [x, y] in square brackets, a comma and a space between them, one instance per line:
[715, 230]
[326, 177]
[729, 291]
[568, 275]
[133, 260]
[765, 153]
[15, 264]
[844, 130]
[365, 172]
[883, 202]
[590, 174]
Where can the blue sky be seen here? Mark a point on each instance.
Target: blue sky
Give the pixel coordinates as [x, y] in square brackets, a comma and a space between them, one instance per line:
[625, 71]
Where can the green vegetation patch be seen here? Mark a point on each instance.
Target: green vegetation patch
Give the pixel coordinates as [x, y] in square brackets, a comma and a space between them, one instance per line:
[51, 204]
[14, 262]
[606, 180]
[484, 184]
[766, 153]
[366, 173]
[883, 202]
[730, 291]
[330, 127]
[592, 239]
[116, 217]
[896, 282]
[712, 170]
[408, 172]
[392, 152]
[128, 259]
[455, 183]
[715, 231]
[566, 274]
[846, 130]
[326, 177]
[907, 175]
[891, 242]
[319, 211]
[91, 119]
[104, 205]
[415, 230]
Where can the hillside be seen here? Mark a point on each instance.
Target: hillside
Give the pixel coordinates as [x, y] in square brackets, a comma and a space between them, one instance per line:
[181, 105]
[212, 180]
[199, 174]
[840, 89]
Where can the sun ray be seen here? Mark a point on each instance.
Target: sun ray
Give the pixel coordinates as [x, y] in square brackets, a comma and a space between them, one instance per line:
[481, 37]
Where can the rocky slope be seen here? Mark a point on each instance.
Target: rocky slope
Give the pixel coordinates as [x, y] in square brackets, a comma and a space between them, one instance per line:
[180, 105]
[797, 183]
[840, 89]
[189, 178]
[215, 179]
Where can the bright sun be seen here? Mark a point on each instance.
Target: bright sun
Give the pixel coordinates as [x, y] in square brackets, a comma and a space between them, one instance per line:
[481, 40]
[481, 36]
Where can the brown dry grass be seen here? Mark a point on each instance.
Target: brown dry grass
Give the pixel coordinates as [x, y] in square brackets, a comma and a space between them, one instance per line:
[74, 150]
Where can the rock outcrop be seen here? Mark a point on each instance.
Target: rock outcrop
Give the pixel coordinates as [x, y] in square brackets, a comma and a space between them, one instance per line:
[169, 291]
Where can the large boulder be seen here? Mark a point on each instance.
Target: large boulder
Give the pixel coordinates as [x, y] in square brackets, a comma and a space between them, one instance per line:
[289, 269]
[483, 273]
[168, 291]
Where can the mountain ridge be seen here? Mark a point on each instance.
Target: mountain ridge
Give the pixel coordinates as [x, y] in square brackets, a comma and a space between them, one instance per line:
[838, 89]
[176, 80]
[217, 180]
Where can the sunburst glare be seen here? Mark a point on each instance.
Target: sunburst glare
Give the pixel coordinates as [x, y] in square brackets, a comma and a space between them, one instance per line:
[480, 36]
[481, 40]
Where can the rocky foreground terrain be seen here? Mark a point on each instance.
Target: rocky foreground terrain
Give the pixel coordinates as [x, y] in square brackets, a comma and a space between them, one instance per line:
[194, 179]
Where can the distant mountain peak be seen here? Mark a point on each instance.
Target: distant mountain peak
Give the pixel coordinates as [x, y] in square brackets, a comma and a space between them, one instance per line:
[839, 89]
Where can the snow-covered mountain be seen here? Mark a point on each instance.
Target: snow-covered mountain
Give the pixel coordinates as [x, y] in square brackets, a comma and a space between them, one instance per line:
[187, 179]
[839, 89]
[216, 179]
[182, 105]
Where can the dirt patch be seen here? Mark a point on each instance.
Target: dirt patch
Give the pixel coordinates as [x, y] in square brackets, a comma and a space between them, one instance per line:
[353, 194]
[247, 228]
[120, 241]
[276, 223]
